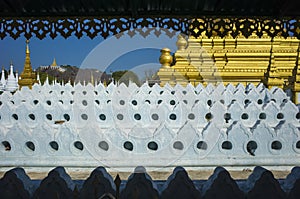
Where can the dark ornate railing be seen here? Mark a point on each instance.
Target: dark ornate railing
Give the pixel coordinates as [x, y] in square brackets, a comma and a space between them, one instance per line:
[41, 27]
[58, 184]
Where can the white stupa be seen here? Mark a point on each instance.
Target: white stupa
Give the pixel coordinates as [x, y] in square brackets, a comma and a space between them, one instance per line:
[2, 81]
[11, 82]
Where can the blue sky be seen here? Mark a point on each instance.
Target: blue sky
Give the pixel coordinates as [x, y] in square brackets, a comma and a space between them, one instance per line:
[110, 54]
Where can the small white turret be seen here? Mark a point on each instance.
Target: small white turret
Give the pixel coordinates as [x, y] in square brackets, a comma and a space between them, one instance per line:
[38, 78]
[2, 81]
[11, 83]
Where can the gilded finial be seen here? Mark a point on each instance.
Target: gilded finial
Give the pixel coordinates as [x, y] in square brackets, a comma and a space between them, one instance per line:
[27, 47]
[181, 42]
[165, 58]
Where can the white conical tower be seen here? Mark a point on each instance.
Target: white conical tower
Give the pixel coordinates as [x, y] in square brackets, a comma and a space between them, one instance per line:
[2, 81]
[17, 77]
[11, 83]
[38, 78]
[46, 82]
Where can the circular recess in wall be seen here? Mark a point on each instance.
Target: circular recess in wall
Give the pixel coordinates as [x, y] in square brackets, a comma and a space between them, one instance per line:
[191, 116]
[120, 116]
[84, 103]
[67, 117]
[298, 116]
[6, 145]
[251, 147]
[137, 116]
[152, 146]
[172, 116]
[78, 145]
[227, 145]
[296, 146]
[262, 116]
[178, 145]
[259, 101]
[102, 117]
[128, 146]
[54, 145]
[154, 116]
[103, 145]
[84, 116]
[30, 146]
[15, 116]
[245, 116]
[35, 102]
[122, 102]
[31, 116]
[202, 145]
[134, 102]
[208, 116]
[209, 102]
[227, 117]
[49, 117]
[280, 116]
[48, 102]
[172, 102]
[276, 145]
[246, 101]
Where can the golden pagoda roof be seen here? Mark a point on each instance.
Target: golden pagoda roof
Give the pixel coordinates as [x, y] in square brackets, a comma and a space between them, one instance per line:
[54, 62]
[27, 77]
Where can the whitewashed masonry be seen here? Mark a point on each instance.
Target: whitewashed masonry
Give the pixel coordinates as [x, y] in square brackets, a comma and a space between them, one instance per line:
[123, 127]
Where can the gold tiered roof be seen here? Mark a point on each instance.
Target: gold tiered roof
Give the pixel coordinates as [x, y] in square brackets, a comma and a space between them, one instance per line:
[54, 62]
[234, 60]
[27, 77]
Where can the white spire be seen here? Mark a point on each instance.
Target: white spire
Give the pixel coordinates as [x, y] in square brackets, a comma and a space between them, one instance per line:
[11, 69]
[3, 81]
[17, 77]
[38, 78]
[46, 81]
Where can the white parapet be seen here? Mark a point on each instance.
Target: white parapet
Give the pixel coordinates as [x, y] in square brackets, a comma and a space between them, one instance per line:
[123, 127]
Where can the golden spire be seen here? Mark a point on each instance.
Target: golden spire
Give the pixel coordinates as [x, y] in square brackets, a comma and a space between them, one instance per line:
[54, 62]
[28, 77]
[27, 47]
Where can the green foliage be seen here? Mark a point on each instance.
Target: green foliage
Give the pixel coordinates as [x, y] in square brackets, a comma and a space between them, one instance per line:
[43, 77]
[125, 76]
